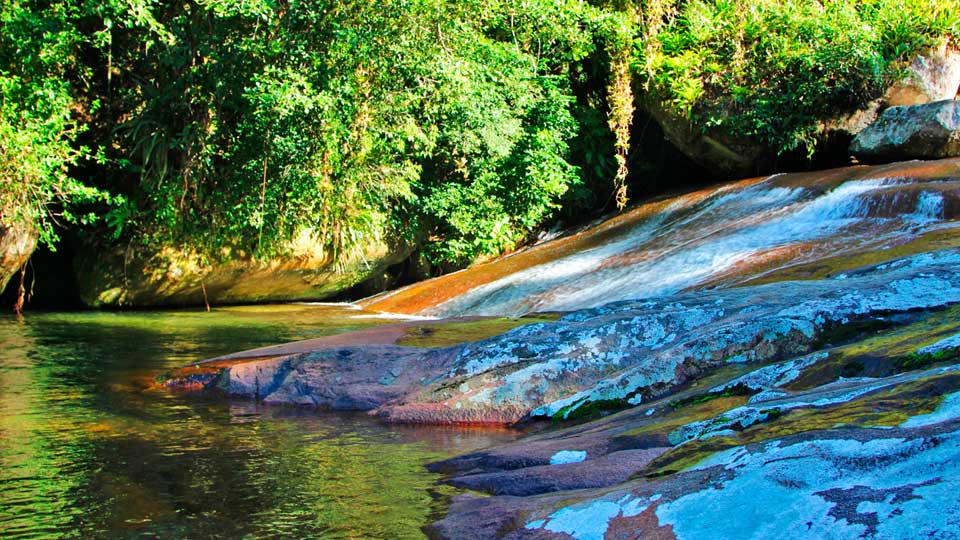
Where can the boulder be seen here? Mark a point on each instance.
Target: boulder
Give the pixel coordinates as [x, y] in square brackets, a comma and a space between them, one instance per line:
[135, 276]
[927, 131]
[714, 150]
[934, 75]
[17, 242]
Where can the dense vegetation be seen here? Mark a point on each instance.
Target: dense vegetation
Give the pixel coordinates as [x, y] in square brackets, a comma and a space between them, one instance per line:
[771, 70]
[234, 126]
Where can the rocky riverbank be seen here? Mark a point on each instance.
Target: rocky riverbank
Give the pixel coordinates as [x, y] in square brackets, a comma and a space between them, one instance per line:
[793, 340]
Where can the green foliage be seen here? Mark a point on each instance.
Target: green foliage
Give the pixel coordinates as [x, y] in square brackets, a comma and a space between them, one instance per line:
[430, 121]
[507, 173]
[37, 127]
[918, 360]
[239, 126]
[738, 390]
[772, 71]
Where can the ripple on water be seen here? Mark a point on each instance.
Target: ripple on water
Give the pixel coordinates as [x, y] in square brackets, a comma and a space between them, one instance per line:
[87, 452]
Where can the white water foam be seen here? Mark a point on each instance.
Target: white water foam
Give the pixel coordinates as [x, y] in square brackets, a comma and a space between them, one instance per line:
[686, 244]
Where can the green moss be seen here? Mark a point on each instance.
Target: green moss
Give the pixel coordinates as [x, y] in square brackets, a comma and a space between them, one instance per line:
[851, 331]
[454, 333]
[886, 408]
[674, 418]
[864, 256]
[738, 390]
[590, 409]
[886, 352]
[921, 360]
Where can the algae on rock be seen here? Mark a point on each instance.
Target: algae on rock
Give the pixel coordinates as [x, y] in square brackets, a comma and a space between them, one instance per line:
[132, 276]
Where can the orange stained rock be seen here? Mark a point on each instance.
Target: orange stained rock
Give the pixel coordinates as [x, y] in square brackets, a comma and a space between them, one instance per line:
[193, 377]
[775, 257]
[420, 296]
[883, 249]
[923, 170]
[643, 526]
[896, 200]
[928, 170]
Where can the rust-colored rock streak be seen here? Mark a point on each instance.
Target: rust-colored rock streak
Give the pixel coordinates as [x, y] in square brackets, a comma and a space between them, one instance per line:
[719, 237]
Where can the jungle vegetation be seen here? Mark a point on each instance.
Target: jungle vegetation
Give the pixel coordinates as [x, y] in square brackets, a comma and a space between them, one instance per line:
[460, 127]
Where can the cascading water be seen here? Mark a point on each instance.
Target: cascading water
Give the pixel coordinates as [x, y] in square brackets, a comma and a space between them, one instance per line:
[721, 237]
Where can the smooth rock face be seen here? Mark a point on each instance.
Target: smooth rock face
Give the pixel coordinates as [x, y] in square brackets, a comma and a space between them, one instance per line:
[622, 354]
[17, 242]
[718, 152]
[630, 352]
[783, 227]
[136, 277]
[929, 131]
[358, 378]
[932, 76]
[789, 489]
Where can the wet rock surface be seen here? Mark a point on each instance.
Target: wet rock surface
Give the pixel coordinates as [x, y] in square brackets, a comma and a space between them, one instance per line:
[807, 394]
[779, 228]
[843, 469]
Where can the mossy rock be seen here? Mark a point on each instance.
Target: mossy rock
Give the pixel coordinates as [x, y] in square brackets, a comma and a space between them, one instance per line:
[133, 276]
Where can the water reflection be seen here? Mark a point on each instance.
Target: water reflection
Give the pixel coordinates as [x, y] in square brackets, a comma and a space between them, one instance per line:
[86, 451]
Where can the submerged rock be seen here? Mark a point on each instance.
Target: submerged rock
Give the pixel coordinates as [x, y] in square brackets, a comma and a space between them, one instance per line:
[928, 131]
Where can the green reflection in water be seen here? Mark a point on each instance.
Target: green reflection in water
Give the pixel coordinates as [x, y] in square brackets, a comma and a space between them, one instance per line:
[87, 452]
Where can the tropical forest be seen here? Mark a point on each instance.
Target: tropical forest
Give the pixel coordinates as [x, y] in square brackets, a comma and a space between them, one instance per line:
[478, 270]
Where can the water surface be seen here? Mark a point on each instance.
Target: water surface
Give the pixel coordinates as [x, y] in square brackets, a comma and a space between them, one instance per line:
[87, 450]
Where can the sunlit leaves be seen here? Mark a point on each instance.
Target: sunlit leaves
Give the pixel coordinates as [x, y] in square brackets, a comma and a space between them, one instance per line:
[774, 71]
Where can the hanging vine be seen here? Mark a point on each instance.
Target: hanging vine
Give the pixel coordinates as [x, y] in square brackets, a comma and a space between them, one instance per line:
[620, 102]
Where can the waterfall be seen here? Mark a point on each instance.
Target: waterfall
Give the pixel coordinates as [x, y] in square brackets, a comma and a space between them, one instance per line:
[686, 245]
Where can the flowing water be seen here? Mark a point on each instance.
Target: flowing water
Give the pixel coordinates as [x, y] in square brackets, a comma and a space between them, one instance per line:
[721, 236]
[88, 450]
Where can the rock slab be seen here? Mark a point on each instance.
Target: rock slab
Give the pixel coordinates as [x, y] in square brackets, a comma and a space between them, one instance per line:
[618, 355]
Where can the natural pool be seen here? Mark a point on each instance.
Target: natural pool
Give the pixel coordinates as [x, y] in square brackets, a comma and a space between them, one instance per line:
[87, 450]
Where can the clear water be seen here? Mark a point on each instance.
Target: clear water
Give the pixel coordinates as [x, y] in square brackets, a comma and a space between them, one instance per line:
[88, 450]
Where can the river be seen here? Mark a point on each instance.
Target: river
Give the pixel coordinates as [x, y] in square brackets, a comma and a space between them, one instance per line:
[89, 450]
